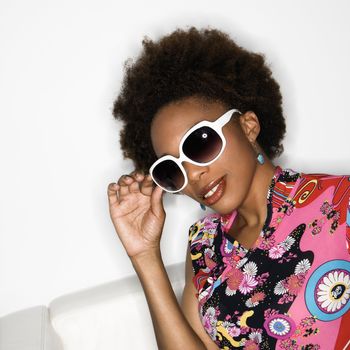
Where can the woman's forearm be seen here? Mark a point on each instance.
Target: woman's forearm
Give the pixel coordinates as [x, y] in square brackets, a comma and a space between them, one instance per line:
[171, 328]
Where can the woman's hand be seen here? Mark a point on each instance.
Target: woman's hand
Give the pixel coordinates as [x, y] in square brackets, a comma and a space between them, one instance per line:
[137, 213]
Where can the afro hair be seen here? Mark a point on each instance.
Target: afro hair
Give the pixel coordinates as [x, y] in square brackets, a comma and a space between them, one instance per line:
[204, 63]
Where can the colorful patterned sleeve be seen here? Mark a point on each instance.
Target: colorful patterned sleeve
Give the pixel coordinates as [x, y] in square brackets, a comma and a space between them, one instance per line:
[201, 239]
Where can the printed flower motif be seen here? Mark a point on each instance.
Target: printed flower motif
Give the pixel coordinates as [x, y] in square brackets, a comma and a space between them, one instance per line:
[280, 288]
[289, 344]
[251, 345]
[287, 208]
[208, 254]
[255, 299]
[294, 283]
[250, 268]
[209, 321]
[334, 226]
[279, 326]
[316, 230]
[302, 266]
[244, 329]
[235, 277]
[269, 312]
[228, 247]
[287, 243]
[336, 215]
[277, 217]
[247, 285]
[276, 252]
[250, 303]
[334, 291]
[267, 243]
[286, 298]
[326, 208]
[231, 260]
[232, 330]
[262, 278]
[308, 321]
[256, 336]
[258, 296]
[317, 225]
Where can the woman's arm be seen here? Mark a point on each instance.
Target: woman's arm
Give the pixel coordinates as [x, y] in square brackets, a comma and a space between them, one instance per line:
[189, 306]
[137, 213]
[171, 328]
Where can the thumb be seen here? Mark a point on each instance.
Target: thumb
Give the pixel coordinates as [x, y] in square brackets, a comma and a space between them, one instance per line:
[157, 201]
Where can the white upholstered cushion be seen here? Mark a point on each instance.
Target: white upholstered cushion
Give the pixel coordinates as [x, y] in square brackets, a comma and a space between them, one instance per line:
[112, 316]
[28, 329]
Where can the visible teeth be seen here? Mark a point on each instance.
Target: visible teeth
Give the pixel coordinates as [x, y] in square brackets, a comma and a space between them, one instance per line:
[212, 191]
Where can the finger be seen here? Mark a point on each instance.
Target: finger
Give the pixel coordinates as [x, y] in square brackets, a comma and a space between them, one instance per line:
[137, 177]
[157, 201]
[134, 187]
[124, 182]
[146, 186]
[112, 193]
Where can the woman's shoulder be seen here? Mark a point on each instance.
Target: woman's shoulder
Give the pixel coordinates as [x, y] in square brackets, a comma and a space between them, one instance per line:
[334, 189]
[324, 176]
[337, 185]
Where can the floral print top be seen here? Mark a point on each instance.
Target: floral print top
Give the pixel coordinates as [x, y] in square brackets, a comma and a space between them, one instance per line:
[291, 289]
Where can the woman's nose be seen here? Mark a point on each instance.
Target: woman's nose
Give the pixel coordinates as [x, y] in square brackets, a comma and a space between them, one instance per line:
[194, 172]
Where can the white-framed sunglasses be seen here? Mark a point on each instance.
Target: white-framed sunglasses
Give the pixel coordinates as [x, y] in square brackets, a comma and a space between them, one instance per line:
[201, 145]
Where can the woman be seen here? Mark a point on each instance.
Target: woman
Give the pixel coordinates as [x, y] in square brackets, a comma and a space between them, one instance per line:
[269, 269]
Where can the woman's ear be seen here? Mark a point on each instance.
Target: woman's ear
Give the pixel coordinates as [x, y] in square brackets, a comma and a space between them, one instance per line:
[250, 125]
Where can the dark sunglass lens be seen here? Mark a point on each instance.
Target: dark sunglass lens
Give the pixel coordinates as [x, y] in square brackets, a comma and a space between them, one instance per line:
[169, 175]
[202, 145]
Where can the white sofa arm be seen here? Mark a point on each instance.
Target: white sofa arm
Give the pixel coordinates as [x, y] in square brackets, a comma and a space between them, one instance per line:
[112, 316]
[28, 329]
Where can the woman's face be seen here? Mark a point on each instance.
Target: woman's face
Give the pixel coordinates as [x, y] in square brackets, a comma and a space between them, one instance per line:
[233, 170]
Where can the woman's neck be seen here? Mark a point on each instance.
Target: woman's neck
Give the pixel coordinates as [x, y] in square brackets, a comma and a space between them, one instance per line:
[252, 213]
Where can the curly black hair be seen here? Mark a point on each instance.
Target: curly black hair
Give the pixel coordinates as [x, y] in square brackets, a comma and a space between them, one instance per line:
[204, 63]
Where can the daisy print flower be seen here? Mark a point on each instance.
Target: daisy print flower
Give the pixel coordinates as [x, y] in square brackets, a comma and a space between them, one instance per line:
[247, 285]
[256, 336]
[280, 288]
[302, 266]
[333, 290]
[276, 252]
[287, 243]
[250, 268]
[209, 321]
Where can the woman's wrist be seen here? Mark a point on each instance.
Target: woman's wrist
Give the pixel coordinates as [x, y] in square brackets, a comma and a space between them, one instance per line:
[150, 256]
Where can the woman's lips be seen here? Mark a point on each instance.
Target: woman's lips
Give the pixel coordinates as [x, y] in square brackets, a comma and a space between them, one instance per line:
[218, 191]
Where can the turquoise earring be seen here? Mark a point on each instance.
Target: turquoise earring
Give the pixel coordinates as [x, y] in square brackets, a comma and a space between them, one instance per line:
[203, 207]
[260, 158]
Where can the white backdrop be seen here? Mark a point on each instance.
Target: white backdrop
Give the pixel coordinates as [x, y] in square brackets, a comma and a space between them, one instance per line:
[61, 65]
